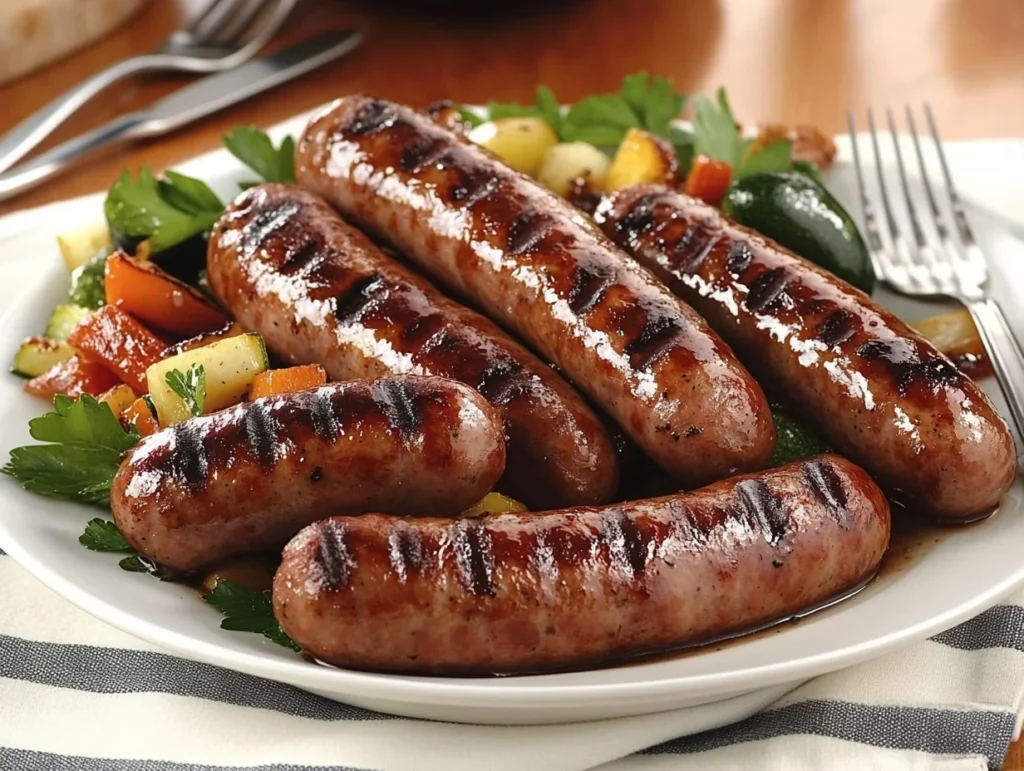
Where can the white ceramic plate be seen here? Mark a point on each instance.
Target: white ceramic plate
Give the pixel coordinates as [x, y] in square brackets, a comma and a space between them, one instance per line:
[955, 575]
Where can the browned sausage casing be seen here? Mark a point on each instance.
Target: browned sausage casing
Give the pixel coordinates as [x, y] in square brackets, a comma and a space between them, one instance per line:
[317, 290]
[877, 391]
[542, 269]
[514, 593]
[250, 477]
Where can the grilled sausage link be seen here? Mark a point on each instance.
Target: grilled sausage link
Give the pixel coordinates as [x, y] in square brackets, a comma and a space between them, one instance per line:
[317, 290]
[543, 270]
[879, 393]
[249, 478]
[511, 593]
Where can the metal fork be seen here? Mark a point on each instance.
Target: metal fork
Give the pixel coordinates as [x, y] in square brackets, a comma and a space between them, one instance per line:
[225, 34]
[934, 263]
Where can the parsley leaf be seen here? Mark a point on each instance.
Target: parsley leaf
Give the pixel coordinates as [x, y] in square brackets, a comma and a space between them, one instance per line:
[247, 611]
[470, 117]
[166, 211]
[715, 133]
[774, 156]
[103, 535]
[255, 149]
[190, 386]
[499, 110]
[85, 446]
[549, 108]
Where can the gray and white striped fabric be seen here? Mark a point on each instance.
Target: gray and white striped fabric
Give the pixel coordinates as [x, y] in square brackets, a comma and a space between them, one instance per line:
[78, 694]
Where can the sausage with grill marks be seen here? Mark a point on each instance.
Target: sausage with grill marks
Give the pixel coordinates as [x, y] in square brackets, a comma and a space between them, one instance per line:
[319, 291]
[250, 477]
[513, 594]
[541, 269]
[875, 389]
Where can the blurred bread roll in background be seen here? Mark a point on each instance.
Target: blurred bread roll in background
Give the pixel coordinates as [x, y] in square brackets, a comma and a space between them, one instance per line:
[34, 33]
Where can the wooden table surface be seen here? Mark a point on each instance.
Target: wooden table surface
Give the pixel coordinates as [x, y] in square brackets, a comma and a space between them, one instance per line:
[790, 61]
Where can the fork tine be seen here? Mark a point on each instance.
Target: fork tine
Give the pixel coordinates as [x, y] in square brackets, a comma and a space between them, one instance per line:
[240, 22]
[210, 21]
[940, 224]
[889, 218]
[879, 262]
[915, 223]
[957, 206]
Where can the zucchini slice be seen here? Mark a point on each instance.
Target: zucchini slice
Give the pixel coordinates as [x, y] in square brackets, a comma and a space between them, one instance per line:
[229, 367]
[64, 319]
[38, 354]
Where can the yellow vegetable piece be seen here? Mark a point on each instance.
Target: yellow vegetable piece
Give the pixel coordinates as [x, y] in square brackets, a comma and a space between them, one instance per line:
[493, 503]
[120, 398]
[952, 333]
[564, 163]
[519, 142]
[642, 157]
[80, 246]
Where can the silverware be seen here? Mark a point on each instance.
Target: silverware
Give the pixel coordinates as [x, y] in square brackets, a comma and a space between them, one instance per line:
[934, 262]
[207, 95]
[226, 34]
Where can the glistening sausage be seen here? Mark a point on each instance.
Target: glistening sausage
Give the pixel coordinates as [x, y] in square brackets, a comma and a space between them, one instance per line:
[250, 477]
[544, 271]
[512, 593]
[317, 290]
[876, 390]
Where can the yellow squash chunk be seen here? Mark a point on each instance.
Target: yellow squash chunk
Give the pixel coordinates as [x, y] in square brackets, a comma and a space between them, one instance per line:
[642, 157]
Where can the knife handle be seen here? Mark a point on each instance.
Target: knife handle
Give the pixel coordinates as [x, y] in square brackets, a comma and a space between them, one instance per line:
[60, 157]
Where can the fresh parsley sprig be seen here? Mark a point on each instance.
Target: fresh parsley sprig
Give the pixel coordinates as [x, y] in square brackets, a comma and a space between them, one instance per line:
[83, 447]
[103, 535]
[248, 611]
[165, 211]
[717, 135]
[190, 386]
[256, 150]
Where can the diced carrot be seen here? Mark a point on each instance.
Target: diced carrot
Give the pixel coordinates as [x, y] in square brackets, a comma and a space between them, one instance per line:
[72, 377]
[232, 329]
[112, 337]
[140, 414]
[708, 180]
[159, 299]
[282, 381]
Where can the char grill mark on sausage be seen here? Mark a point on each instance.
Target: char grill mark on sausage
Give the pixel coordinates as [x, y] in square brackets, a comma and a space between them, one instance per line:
[472, 188]
[838, 327]
[627, 545]
[656, 339]
[372, 117]
[261, 429]
[502, 382]
[189, 464]
[420, 334]
[298, 257]
[405, 550]
[739, 259]
[423, 152]
[359, 298]
[639, 219]
[474, 560]
[768, 291]
[697, 241]
[398, 404]
[527, 230]
[908, 367]
[826, 484]
[589, 283]
[757, 506]
[321, 411]
[264, 223]
[332, 556]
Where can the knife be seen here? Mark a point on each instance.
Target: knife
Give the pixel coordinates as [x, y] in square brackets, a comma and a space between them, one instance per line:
[207, 95]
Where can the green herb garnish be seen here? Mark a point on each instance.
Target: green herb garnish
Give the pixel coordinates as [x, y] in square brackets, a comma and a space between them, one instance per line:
[248, 611]
[83, 451]
[166, 211]
[103, 535]
[255, 149]
[190, 386]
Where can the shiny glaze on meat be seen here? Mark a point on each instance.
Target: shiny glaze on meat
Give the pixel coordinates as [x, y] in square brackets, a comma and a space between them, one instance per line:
[514, 593]
[317, 290]
[248, 478]
[875, 389]
[542, 269]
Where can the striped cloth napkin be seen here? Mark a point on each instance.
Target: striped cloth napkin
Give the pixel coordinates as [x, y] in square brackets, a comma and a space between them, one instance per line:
[78, 694]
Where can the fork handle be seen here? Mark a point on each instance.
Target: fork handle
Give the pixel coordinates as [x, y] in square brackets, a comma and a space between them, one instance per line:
[21, 139]
[1005, 353]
